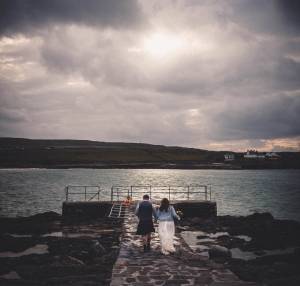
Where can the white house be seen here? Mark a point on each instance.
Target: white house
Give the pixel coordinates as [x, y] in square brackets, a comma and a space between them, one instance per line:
[252, 154]
[229, 157]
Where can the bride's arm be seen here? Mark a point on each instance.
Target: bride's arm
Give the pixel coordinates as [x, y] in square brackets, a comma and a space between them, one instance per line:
[174, 214]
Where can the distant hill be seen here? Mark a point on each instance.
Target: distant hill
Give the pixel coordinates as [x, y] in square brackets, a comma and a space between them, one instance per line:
[36, 153]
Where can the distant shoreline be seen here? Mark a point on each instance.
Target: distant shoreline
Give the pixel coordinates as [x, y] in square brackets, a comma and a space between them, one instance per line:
[66, 154]
[130, 166]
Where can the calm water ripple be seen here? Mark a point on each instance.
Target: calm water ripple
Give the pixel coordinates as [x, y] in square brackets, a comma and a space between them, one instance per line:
[237, 192]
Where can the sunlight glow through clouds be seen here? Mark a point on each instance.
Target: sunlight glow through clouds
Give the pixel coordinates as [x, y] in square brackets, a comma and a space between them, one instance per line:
[17, 67]
[160, 45]
[77, 82]
[164, 45]
[282, 144]
[209, 74]
[277, 144]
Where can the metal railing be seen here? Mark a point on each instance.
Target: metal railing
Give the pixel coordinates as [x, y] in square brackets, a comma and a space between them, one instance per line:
[187, 192]
[85, 192]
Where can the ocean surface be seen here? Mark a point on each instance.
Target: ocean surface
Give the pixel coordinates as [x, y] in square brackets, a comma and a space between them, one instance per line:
[25, 192]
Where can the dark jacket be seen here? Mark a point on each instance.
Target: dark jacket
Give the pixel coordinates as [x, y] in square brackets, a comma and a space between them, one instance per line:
[145, 210]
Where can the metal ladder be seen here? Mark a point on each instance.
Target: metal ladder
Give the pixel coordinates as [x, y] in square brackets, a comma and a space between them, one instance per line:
[119, 210]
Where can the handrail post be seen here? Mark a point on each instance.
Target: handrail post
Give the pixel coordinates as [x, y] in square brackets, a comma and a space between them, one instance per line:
[205, 192]
[111, 194]
[67, 193]
[188, 193]
[85, 193]
[169, 193]
[150, 192]
[131, 192]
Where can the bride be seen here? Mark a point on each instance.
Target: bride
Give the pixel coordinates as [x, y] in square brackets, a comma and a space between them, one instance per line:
[166, 226]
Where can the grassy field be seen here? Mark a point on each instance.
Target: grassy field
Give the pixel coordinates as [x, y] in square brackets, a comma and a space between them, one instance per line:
[17, 152]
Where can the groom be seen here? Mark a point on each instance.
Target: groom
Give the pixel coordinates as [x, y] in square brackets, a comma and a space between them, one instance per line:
[145, 211]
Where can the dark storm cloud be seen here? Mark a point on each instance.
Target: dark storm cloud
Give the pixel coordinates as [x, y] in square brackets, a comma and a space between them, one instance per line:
[12, 115]
[290, 10]
[287, 75]
[272, 117]
[235, 75]
[20, 16]
[267, 16]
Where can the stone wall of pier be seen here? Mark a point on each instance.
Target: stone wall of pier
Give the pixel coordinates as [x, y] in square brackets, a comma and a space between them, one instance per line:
[204, 209]
[85, 210]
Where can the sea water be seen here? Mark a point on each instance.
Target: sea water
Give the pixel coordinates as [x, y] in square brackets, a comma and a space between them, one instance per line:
[25, 192]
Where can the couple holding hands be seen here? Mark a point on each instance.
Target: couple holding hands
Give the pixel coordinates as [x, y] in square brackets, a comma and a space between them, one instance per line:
[165, 214]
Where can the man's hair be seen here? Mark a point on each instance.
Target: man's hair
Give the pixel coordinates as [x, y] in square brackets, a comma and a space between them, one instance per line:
[145, 197]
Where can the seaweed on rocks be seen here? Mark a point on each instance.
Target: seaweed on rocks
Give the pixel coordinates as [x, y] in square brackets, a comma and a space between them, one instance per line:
[45, 250]
[271, 246]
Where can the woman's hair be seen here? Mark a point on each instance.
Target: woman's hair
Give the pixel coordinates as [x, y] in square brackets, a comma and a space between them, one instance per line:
[164, 205]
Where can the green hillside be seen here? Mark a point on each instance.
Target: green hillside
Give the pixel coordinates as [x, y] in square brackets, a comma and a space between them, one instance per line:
[29, 153]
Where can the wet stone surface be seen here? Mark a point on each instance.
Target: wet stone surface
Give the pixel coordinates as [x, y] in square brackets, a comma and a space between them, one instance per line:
[185, 267]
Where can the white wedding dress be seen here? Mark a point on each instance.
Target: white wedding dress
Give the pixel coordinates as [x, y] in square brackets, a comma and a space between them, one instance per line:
[166, 232]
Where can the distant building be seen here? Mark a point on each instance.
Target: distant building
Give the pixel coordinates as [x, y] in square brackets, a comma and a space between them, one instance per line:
[229, 157]
[253, 154]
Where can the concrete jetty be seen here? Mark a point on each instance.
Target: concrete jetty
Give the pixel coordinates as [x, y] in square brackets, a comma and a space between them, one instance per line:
[136, 268]
[185, 267]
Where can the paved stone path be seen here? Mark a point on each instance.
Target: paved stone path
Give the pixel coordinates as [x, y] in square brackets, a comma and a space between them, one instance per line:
[136, 268]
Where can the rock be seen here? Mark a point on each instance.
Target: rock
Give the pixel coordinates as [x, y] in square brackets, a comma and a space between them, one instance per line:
[9, 243]
[297, 251]
[196, 220]
[217, 251]
[83, 255]
[12, 275]
[182, 227]
[259, 252]
[46, 216]
[97, 247]
[202, 237]
[70, 260]
[260, 216]
[36, 224]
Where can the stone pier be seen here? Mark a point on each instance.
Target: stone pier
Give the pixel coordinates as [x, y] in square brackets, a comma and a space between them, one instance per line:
[97, 209]
[185, 267]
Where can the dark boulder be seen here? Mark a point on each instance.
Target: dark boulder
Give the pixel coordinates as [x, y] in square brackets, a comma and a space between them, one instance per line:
[217, 251]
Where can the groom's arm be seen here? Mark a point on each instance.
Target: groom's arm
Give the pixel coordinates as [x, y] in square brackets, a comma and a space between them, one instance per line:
[154, 212]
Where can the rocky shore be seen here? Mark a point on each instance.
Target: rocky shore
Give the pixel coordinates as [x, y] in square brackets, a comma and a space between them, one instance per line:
[46, 250]
[256, 247]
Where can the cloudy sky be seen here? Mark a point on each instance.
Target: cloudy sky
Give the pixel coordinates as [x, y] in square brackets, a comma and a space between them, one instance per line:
[207, 74]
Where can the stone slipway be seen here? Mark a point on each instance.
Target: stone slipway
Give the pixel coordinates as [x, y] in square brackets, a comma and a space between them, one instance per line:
[133, 267]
